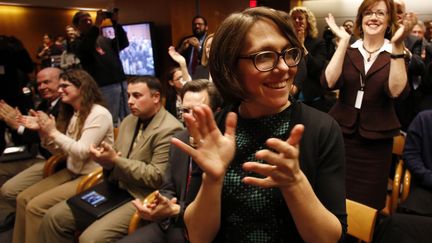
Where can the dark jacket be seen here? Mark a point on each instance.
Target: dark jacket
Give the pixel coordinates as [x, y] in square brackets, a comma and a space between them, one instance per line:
[99, 55]
[377, 117]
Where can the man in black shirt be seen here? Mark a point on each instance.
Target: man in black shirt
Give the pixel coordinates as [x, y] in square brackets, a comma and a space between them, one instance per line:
[99, 56]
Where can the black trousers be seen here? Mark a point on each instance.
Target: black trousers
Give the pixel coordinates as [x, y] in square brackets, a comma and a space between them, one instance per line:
[404, 228]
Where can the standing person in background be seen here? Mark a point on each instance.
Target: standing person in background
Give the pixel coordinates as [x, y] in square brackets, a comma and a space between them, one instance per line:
[68, 58]
[202, 71]
[99, 56]
[428, 32]
[191, 47]
[311, 92]
[422, 85]
[296, 177]
[176, 78]
[405, 108]
[47, 50]
[15, 66]
[349, 28]
[370, 74]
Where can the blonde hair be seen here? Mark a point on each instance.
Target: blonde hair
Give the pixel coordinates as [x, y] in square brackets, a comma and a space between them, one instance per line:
[204, 58]
[312, 30]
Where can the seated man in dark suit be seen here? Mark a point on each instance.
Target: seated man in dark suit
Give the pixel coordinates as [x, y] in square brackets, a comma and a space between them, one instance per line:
[167, 209]
[413, 222]
[136, 164]
[31, 169]
[418, 158]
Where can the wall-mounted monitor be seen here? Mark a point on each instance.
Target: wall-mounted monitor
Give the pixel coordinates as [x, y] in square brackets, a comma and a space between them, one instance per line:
[138, 58]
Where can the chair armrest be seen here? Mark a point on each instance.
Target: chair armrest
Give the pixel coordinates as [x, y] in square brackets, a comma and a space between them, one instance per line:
[396, 186]
[52, 163]
[134, 223]
[90, 180]
[406, 185]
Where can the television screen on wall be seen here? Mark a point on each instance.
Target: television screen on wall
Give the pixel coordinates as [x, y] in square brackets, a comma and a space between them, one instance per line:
[138, 58]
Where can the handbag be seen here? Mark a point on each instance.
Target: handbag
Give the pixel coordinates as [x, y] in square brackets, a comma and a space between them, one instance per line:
[95, 202]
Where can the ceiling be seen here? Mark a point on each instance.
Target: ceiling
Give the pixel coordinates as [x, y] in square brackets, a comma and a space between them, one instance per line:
[94, 4]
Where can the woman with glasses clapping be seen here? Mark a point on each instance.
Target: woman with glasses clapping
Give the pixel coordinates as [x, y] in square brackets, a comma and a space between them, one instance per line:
[273, 168]
[82, 121]
[370, 74]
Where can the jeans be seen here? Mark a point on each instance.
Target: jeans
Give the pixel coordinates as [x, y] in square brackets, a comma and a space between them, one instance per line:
[115, 96]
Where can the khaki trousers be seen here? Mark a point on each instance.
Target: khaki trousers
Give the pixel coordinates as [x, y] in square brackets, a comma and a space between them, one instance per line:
[20, 175]
[34, 202]
[58, 225]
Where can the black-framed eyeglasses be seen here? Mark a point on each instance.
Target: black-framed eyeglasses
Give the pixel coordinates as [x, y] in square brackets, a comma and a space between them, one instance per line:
[265, 61]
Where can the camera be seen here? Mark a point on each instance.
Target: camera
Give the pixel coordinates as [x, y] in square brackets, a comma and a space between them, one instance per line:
[109, 14]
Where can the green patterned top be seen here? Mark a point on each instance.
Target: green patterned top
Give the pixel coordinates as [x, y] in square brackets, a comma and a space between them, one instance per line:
[250, 213]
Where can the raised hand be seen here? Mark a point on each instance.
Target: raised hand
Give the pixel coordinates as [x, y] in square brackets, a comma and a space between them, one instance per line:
[214, 151]
[339, 31]
[283, 168]
[176, 56]
[160, 208]
[405, 28]
[103, 155]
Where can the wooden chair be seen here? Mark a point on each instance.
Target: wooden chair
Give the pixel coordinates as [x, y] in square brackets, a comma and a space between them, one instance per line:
[134, 222]
[361, 220]
[53, 163]
[90, 179]
[401, 186]
[394, 184]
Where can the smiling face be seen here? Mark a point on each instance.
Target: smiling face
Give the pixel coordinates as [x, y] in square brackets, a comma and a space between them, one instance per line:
[268, 91]
[70, 94]
[375, 19]
[48, 83]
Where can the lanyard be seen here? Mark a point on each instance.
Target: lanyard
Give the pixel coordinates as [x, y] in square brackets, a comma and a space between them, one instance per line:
[362, 83]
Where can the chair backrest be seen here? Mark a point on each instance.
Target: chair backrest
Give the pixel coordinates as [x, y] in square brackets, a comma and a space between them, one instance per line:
[361, 220]
[398, 145]
[116, 131]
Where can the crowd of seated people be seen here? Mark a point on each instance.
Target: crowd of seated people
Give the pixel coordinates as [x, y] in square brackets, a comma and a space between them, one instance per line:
[235, 156]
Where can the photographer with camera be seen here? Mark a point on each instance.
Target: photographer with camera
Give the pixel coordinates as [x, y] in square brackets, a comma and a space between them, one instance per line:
[99, 56]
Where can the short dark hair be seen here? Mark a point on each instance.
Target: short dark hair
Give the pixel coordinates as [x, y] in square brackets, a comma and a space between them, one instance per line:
[152, 82]
[198, 85]
[199, 17]
[228, 42]
[348, 20]
[76, 18]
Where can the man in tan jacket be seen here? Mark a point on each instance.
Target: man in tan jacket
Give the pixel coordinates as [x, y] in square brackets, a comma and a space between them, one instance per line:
[136, 163]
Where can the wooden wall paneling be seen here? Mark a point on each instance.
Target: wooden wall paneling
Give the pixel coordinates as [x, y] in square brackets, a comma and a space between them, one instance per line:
[29, 24]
